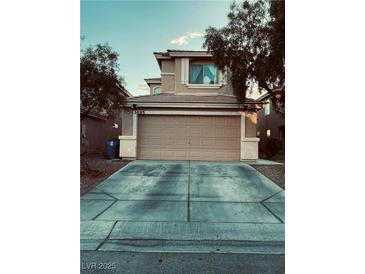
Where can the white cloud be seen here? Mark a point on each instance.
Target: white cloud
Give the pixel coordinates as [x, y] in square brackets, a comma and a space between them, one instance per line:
[182, 40]
[195, 34]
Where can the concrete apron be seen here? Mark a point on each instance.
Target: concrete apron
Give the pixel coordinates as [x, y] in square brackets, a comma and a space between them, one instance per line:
[184, 207]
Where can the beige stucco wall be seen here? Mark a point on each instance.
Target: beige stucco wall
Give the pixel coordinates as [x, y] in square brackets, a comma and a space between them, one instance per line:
[182, 88]
[171, 79]
[168, 66]
[127, 118]
[251, 124]
[128, 141]
[168, 83]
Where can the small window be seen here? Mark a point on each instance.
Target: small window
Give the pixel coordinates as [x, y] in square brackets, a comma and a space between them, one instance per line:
[157, 90]
[267, 108]
[268, 133]
[83, 130]
[203, 74]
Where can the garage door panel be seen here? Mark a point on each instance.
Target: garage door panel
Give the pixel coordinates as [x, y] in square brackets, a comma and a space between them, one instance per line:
[208, 143]
[220, 132]
[208, 131]
[195, 131]
[232, 143]
[182, 131]
[181, 142]
[150, 141]
[189, 137]
[169, 131]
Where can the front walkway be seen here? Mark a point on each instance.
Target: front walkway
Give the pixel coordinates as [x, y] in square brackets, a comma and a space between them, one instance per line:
[184, 206]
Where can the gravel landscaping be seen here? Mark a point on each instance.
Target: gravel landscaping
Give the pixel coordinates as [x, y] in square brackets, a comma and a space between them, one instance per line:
[275, 173]
[100, 169]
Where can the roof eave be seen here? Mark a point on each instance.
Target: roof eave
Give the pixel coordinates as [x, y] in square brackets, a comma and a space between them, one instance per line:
[209, 105]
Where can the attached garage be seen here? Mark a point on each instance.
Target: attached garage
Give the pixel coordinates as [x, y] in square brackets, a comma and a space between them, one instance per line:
[185, 137]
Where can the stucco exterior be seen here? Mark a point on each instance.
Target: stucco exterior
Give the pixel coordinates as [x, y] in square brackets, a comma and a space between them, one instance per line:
[249, 141]
[181, 98]
[168, 83]
[127, 126]
[181, 88]
[168, 66]
[251, 124]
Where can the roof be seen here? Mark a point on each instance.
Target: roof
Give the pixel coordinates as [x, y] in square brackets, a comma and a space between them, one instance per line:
[93, 113]
[153, 80]
[181, 53]
[167, 52]
[267, 94]
[180, 50]
[124, 91]
[173, 53]
[263, 96]
[172, 98]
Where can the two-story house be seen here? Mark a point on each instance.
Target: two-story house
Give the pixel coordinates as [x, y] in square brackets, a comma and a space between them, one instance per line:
[190, 114]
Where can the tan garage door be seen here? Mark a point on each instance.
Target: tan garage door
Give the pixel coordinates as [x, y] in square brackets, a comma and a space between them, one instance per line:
[214, 138]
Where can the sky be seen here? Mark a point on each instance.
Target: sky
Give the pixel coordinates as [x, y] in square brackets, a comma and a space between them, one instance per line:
[135, 29]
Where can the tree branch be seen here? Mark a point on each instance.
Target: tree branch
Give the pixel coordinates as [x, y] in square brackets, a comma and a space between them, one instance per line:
[87, 112]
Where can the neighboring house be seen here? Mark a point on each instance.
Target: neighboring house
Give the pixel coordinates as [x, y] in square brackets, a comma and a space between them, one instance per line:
[190, 114]
[96, 129]
[271, 123]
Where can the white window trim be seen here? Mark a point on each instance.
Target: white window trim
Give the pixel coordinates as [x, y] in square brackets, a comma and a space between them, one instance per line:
[153, 90]
[204, 85]
[184, 73]
[268, 108]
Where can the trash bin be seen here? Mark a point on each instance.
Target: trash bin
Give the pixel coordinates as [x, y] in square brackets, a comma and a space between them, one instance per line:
[112, 149]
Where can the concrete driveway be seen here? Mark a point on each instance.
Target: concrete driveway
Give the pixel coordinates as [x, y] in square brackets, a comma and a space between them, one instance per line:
[184, 206]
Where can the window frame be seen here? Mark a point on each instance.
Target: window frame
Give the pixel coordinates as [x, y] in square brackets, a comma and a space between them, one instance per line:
[153, 90]
[202, 64]
[268, 108]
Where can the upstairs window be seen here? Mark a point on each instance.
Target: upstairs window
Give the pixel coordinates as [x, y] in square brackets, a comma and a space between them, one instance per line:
[203, 74]
[157, 90]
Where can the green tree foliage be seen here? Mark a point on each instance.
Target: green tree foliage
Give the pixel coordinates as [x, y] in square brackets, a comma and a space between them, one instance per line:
[251, 47]
[100, 84]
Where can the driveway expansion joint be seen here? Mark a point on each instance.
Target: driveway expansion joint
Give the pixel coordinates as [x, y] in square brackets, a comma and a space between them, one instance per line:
[189, 183]
[226, 205]
[93, 219]
[264, 200]
[106, 193]
[107, 237]
[268, 209]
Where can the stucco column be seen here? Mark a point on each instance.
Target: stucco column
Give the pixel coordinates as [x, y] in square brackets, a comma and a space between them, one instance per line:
[249, 145]
[128, 143]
